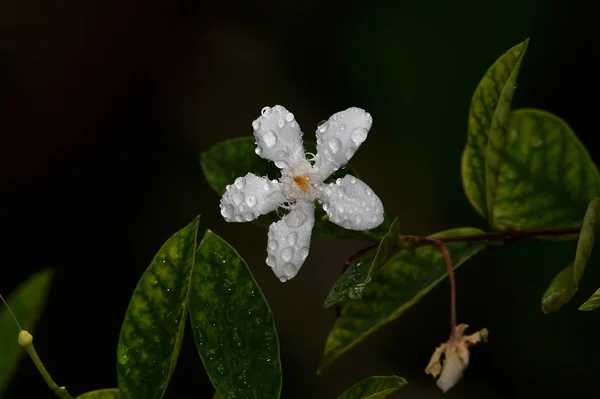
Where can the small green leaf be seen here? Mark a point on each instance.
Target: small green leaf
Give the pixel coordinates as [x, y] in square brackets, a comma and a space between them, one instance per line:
[352, 283]
[591, 303]
[591, 225]
[112, 393]
[217, 396]
[546, 177]
[233, 325]
[560, 291]
[152, 331]
[489, 106]
[399, 284]
[27, 302]
[376, 387]
[229, 159]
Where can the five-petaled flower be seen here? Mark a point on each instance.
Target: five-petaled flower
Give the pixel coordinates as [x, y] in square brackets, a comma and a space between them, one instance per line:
[348, 201]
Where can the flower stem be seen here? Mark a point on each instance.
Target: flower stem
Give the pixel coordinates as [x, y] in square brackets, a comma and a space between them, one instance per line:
[26, 341]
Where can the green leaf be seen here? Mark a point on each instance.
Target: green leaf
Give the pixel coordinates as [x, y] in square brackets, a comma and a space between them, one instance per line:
[111, 393]
[398, 285]
[233, 325]
[27, 302]
[352, 283]
[546, 177]
[229, 159]
[591, 303]
[591, 225]
[560, 291]
[152, 331]
[376, 387]
[489, 107]
[217, 396]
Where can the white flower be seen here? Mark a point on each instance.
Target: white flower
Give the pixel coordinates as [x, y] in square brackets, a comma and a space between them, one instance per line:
[456, 357]
[348, 202]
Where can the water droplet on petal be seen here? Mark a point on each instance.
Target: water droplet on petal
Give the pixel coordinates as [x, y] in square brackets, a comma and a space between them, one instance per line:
[278, 108]
[352, 180]
[323, 125]
[256, 125]
[286, 254]
[269, 138]
[249, 216]
[237, 197]
[342, 126]
[266, 111]
[289, 117]
[338, 181]
[281, 122]
[304, 252]
[358, 135]
[289, 270]
[240, 182]
[270, 261]
[325, 206]
[295, 219]
[281, 164]
[335, 144]
[258, 151]
[251, 201]
[272, 244]
[292, 238]
[226, 211]
[349, 153]
[238, 218]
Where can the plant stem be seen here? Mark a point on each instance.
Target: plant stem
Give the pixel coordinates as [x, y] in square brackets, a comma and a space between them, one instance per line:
[26, 341]
[448, 260]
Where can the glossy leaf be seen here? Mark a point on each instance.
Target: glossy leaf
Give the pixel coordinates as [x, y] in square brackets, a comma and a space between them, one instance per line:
[233, 325]
[152, 331]
[376, 387]
[27, 303]
[111, 393]
[560, 291]
[353, 281]
[229, 159]
[591, 303]
[398, 285]
[489, 107]
[546, 177]
[591, 225]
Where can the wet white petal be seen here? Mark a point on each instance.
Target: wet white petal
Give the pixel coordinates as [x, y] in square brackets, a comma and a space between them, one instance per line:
[278, 136]
[350, 203]
[249, 197]
[339, 138]
[289, 240]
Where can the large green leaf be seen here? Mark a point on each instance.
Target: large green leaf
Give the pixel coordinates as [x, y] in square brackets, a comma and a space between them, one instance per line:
[376, 387]
[400, 283]
[560, 291]
[546, 177]
[591, 225]
[353, 281]
[152, 331]
[111, 393]
[489, 107]
[229, 159]
[27, 302]
[233, 325]
[591, 303]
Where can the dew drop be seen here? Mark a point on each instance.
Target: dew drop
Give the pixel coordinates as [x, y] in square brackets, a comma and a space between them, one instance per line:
[251, 201]
[281, 122]
[289, 117]
[342, 126]
[272, 244]
[292, 238]
[286, 254]
[256, 125]
[238, 218]
[281, 164]
[289, 270]
[338, 181]
[349, 153]
[295, 219]
[325, 206]
[266, 111]
[258, 151]
[237, 197]
[368, 191]
[226, 211]
[352, 180]
[278, 108]
[335, 144]
[358, 135]
[304, 252]
[323, 125]
[269, 138]
[239, 183]
[270, 261]
[249, 216]
[374, 219]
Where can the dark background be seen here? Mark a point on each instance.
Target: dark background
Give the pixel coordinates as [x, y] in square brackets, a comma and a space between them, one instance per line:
[105, 106]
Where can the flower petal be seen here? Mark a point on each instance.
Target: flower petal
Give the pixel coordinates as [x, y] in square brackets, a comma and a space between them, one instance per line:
[289, 240]
[339, 138]
[350, 203]
[249, 197]
[278, 137]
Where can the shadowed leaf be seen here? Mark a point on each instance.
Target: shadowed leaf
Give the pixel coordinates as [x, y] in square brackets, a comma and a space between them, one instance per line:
[591, 303]
[489, 107]
[591, 225]
[352, 283]
[376, 387]
[152, 331]
[546, 177]
[27, 302]
[229, 159]
[233, 326]
[112, 393]
[560, 291]
[400, 283]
